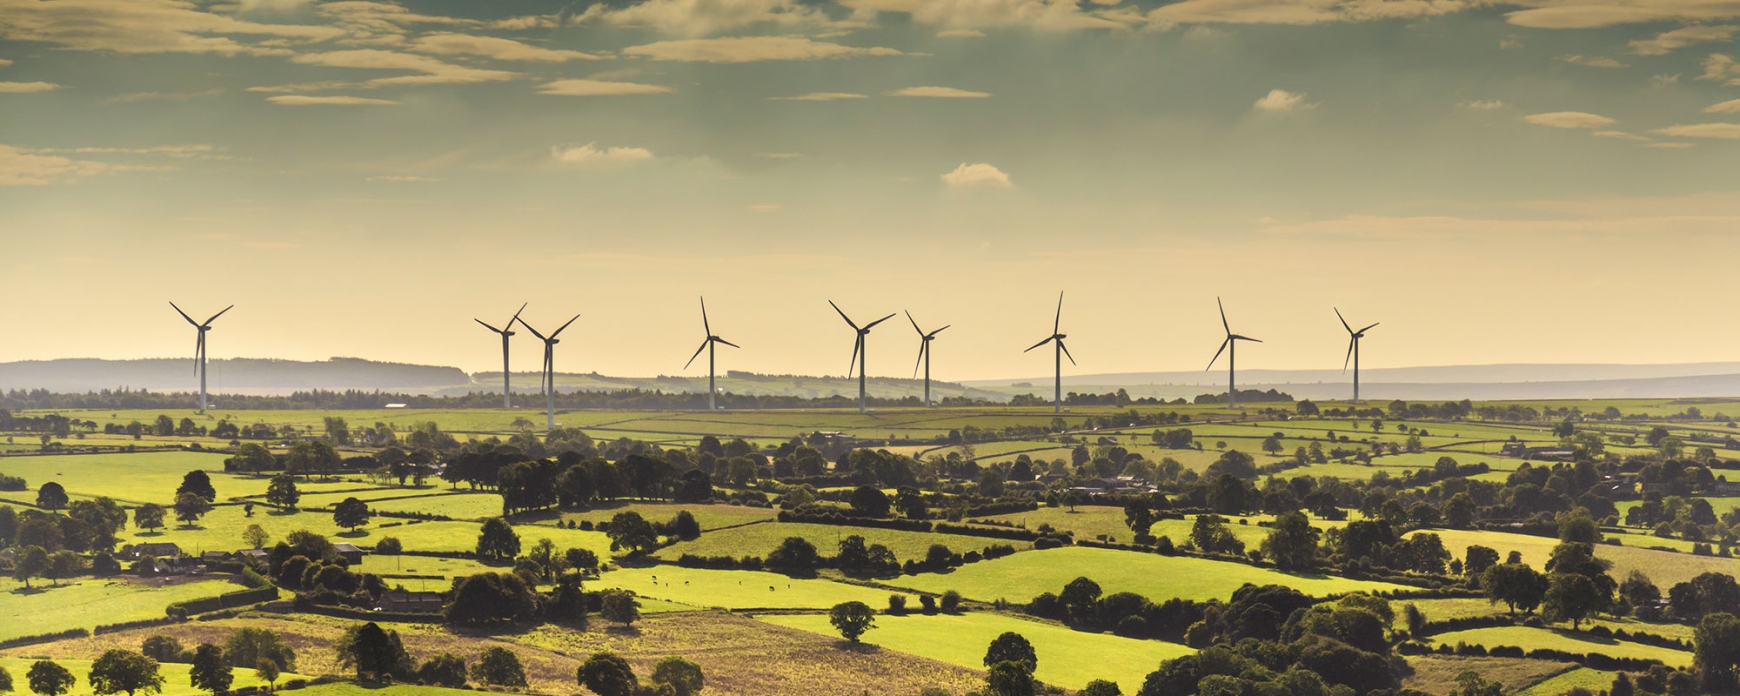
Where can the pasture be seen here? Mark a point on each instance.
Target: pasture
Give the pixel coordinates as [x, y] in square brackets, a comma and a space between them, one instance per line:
[1023, 576]
[1665, 568]
[1562, 639]
[1595, 680]
[1436, 674]
[760, 539]
[1067, 658]
[709, 516]
[176, 682]
[739, 589]
[88, 603]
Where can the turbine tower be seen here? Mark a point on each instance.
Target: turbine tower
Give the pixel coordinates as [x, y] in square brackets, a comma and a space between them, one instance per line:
[506, 376]
[1352, 351]
[1060, 351]
[924, 340]
[549, 381]
[707, 345]
[199, 348]
[1231, 348]
[858, 350]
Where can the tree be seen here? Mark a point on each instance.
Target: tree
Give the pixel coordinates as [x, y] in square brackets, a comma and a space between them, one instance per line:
[31, 562]
[629, 531]
[795, 554]
[52, 496]
[1101, 687]
[685, 526]
[445, 669]
[1515, 584]
[1716, 644]
[1470, 683]
[1571, 597]
[1478, 559]
[684, 677]
[267, 670]
[498, 540]
[1293, 543]
[254, 458]
[350, 513]
[49, 679]
[1009, 679]
[852, 619]
[1137, 515]
[488, 598]
[125, 671]
[499, 666]
[607, 674]
[189, 507]
[248, 646]
[64, 564]
[198, 483]
[5, 681]
[256, 536]
[282, 492]
[1012, 647]
[148, 516]
[618, 606]
[373, 651]
[582, 560]
[870, 501]
[209, 671]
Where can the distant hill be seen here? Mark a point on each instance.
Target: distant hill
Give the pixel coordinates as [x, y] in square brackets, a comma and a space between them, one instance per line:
[1443, 374]
[234, 376]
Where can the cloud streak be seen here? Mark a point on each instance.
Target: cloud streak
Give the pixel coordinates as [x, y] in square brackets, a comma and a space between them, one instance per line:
[599, 88]
[751, 49]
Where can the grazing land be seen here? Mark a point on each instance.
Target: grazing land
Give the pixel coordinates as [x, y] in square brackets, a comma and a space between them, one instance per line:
[760, 539]
[740, 589]
[175, 679]
[90, 603]
[1594, 680]
[1560, 639]
[1436, 674]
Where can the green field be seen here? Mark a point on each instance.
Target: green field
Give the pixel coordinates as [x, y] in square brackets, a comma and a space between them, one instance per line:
[461, 537]
[1067, 658]
[1596, 681]
[175, 679]
[459, 506]
[1559, 639]
[90, 603]
[391, 566]
[1023, 576]
[760, 539]
[708, 516]
[1665, 568]
[739, 589]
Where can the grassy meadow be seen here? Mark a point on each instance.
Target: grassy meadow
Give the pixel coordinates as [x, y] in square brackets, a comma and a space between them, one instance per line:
[739, 589]
[1562, 639]
[88, 603]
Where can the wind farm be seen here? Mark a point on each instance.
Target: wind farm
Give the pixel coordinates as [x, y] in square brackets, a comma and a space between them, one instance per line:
[860, 352]
[506, 332]
[1059, 352]
[1230, 347]
[549, 367]
[924, 340]
[708, 344]
[199, 348]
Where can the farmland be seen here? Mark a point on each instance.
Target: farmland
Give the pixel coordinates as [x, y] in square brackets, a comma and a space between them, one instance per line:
[728, 589]
[1565, 640]
[90, 603]
[759, 539]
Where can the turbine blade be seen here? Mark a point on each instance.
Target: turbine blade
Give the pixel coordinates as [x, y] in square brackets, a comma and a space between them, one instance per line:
[934, 333]
[856, 344]
[1252, 340]
[1368, 328]
[878, 321]
[914, 323]
[534, 331]
[184, 315]
[1223, 323]
[922, 345]
[1349, 358]
[487, 326]
[1223, 345]
[1041, 343]
[704, 325]
[697, 354]
[1058, 320]
[564, 327]
[733, 345]
[843, 315]
[1343, 320]
[510, 323]
[219, 314]
[1066, 354]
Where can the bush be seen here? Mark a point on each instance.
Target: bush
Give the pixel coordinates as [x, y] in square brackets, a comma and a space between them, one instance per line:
[951, 602]
[896, 604]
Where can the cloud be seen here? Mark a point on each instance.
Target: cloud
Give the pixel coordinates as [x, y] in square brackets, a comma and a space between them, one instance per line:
[1669, 41]
[143, 26]
[590, 155]
[380, 23]
[1569, 119]
[1669, 146]
[135, 97]
[1620, 135]
[1664, 80]
[1591, 61]
[4, 62]
[960, 34]
[599, 88]
[1594, 14]
[22, 168]
[447, 44]
[979, 175]
[402, 178]
[304, 100]
[527, 22]
[697, 18]
[1483, 105]
[937, 93]
[1732, 106]
[1723, 131]
[1280, 100]
[1299, 12]
[27, 87]
[433, 72]
[1048, 15]
[751, 49]
[204, 152]
[820, 96]
[1721, 67]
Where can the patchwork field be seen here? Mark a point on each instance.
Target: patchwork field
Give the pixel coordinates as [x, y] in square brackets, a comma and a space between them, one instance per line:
[760, 539]
[1596, 681]
[1665, 568]
[1561, 639]
[89, 603]
[739, 589]
[1436, 674]
[708, 516]
[175, 679]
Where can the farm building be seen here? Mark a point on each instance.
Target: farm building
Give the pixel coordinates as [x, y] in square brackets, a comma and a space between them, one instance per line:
[157, 549]
[348, 551]
[411, 602]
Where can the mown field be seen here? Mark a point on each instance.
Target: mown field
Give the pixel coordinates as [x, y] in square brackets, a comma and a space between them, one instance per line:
[89, 603]
[1023, 576]
[1067, 658]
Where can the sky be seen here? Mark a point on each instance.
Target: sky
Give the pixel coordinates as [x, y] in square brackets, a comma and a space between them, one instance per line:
[1526, 181]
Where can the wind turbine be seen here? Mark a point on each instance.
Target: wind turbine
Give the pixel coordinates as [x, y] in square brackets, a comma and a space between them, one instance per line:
[1352, 351]
[924, 340]
[199, 348]
[506, 376]
[1231, 348]
[858, 349]
[549, 381]
[708, 345]
[1060, 351]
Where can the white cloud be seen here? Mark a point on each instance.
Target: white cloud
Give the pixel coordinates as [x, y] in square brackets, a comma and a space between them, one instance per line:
[1664, 80]
[1723, 131]
[1483, 105]
[22, 168]
[380, 23]
[960, 34]
[27, 87]
[591, 155]
[143, 26]
[1669, 41]
[1732, 106]
[820, 96]
[433, 72]
[1594, 14]
[305, 100]
[937, 93]
[599, 88]
[751, 49]
[527, 22]
[1569, 119]
[447, 44]
[979, 175]
[1591, 61]
[1280, 100]
[696, 18]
